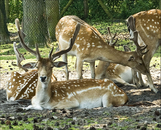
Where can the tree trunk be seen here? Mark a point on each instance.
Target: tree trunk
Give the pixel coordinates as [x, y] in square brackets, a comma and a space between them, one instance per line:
[86, 10]
[52, 14]
[104, 8]
[4, 34]
[7, 9]
[34, 22]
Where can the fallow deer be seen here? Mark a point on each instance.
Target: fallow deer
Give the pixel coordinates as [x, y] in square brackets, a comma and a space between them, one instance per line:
[90, 46]
[148, 26]
[22, 86]
[83, 93]
[115, 72]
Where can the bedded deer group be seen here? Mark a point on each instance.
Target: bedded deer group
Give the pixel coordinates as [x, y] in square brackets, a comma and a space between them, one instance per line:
[84, 93]
[77, 38]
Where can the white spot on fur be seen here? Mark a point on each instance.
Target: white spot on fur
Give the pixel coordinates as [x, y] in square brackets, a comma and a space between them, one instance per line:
[99, 46]
[109, 86]
[105, 80]
[116, 95]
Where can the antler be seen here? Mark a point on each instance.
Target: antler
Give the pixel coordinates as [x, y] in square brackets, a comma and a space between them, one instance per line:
[36, 53]
[112, 38]
[19, 57]
[131, 25]
[72, 40]
[139, 49]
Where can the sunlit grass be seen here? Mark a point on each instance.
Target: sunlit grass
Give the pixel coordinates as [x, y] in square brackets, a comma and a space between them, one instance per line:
[11, 27]
[7, 54]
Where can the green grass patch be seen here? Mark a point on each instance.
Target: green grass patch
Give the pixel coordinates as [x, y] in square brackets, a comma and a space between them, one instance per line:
[7, 54]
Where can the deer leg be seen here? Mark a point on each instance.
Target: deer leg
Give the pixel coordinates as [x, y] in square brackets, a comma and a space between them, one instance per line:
[92, 67]
[79, 67]
[119, 80]
[142, 83]
[64, 57]
[151, 85]
[101, 69]
[106, 102]
[135, 78]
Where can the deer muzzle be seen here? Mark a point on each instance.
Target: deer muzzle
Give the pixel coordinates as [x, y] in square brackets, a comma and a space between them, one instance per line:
[43, 78]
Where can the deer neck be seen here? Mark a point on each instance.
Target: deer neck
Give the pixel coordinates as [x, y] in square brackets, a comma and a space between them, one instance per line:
[115, 56]
[43, 91]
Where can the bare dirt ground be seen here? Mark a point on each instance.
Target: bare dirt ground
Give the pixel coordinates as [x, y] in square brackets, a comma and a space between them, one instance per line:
[146, 114]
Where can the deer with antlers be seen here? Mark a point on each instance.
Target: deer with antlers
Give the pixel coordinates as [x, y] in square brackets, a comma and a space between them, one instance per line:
[115, 72]
[90, 46]
[146, 27]
[22, 86]
[83, 93]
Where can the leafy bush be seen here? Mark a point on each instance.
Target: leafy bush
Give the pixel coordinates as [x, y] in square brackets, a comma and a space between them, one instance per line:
[119, 9]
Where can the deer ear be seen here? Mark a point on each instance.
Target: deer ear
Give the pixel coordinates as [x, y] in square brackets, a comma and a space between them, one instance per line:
[131, 23]
[59, 64]
[126, 48]
[131, 58]
[30, 65]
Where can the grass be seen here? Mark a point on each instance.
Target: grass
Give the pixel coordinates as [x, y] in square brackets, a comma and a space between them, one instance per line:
[7, 52]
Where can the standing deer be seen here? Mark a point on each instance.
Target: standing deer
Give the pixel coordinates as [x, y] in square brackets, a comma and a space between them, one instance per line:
[22, 86]
[148, 26]
[85, 93]
[90, 46]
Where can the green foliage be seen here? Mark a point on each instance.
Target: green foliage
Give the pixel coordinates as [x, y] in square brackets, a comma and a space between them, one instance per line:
[119, 9]
[129, 7]
[15, 10]
[75, 8]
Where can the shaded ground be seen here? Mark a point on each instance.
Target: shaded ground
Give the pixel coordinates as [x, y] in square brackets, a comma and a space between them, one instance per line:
[145, 115]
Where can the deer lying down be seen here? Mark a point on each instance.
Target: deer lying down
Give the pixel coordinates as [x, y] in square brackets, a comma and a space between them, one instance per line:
[85, 93]
[22, 86]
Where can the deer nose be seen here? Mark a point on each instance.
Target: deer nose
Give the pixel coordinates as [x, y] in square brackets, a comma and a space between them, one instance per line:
[43, 78]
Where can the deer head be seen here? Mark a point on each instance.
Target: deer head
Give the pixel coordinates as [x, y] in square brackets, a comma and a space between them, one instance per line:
[23, 86]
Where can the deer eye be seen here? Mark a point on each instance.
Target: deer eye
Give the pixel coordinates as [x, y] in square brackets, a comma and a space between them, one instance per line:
[140, 64]
[52, 66]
